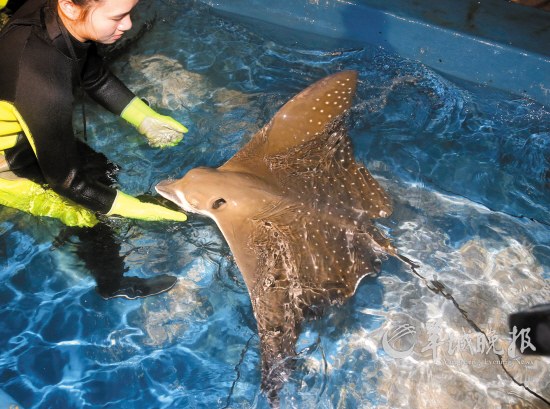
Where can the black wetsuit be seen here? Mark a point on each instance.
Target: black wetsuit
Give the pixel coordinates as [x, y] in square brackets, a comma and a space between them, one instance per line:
[41, 67]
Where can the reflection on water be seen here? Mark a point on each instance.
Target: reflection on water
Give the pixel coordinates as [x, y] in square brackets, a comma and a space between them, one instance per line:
[489, 275]
[467, 169]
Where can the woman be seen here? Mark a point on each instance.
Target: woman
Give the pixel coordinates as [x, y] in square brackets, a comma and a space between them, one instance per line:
[48, 50]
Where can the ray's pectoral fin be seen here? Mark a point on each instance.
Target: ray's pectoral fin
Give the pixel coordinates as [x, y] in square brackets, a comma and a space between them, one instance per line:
[306, 115]
[304, 265]
[303, 118]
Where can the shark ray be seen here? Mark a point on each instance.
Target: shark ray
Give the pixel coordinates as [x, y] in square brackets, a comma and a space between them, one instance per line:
[296, 210]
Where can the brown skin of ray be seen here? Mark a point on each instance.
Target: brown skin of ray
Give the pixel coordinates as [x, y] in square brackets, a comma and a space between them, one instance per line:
[296, 210]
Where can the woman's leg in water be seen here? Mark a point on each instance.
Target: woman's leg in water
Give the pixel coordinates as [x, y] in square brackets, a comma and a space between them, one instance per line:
[99, 246]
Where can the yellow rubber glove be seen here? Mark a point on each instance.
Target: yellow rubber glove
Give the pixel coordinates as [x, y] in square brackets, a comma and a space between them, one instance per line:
[9, 125]
[160, 130]
[130, 207]
[37, 200]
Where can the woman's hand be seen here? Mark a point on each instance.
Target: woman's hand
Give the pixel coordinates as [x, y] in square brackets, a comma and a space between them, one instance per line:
[160, 130]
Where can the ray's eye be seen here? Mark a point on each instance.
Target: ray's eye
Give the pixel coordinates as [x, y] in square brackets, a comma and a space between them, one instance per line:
[218, 203]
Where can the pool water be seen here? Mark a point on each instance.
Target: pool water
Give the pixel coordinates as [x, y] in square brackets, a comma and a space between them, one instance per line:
[467, 168]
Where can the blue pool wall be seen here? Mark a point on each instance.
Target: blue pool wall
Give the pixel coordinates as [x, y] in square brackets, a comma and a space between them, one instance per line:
[490, 42]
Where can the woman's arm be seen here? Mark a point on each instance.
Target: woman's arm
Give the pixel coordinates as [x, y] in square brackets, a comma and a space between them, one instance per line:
[44, 99]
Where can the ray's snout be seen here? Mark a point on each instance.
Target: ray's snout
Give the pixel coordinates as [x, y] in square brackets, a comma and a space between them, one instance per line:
[167, 189]
[175, 191]
[164, 187]
[164, 183]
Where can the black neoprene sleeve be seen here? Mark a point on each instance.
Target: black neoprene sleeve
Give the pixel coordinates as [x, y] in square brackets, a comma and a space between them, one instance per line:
[104, 87]
[44, 99]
